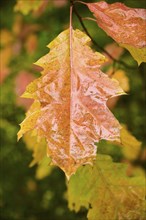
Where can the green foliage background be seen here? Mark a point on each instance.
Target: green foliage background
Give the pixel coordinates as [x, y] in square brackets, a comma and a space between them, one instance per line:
[22, 196]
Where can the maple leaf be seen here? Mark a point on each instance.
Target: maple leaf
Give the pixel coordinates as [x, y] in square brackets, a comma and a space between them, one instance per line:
[37, 145]
[114, 50]
[37, 6]
[123, 80]
[130, 145]
[70, 109]
[43, 170]
[125, 25]
[27, 6]
[39, 148]
[128, 149]
[21, 81]
[59, 3]
[6, 52]
[31, 43]
[117, 195]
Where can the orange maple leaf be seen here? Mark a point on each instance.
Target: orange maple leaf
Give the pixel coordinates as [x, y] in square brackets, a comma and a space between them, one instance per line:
[70, 102]
[125, 25]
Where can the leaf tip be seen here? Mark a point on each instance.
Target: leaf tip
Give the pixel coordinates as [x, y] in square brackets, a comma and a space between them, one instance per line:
[19, 135]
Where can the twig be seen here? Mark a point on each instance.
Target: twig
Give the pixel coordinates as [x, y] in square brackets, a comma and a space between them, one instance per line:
[77, 1]
[88, 18]
[95, 43]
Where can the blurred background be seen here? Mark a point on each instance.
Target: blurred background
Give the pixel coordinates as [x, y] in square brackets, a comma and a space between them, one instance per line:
[38, 193]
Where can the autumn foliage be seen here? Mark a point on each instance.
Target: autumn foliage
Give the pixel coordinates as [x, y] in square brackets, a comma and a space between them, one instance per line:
[116, 19]
[69, 107]
[72, 94]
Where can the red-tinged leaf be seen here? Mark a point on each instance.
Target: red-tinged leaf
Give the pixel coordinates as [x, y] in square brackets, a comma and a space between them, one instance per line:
[71, 96]
[31, 43]
[6, 52]
[60, 3]
[114, 50]
[125, 25]
[21, 81]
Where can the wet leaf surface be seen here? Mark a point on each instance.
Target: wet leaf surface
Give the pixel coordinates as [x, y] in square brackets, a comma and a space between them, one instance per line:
[70, 102]
[125, 25]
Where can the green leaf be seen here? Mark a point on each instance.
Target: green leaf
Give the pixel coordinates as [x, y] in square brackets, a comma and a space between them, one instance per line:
[107, 192]
[130, 145]
[26, 6]
[139, 54]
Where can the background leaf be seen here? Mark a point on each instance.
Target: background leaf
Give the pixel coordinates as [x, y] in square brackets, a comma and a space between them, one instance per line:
[117, 196]
[130, 145]
[27, 6]
[125, 25]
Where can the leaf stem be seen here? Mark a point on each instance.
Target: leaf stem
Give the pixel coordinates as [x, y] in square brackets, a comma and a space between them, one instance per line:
[71, 34]
[71, 63]
[77, 1]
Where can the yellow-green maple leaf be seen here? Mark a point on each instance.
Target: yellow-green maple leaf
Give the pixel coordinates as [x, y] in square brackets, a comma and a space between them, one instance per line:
[107, 192]
[130, 145]
[26, 6]
[139, 54]
[38, 146]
